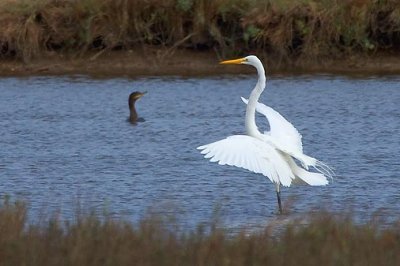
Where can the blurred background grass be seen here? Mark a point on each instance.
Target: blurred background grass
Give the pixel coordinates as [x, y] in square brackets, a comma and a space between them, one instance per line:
[287, 31]
[315, 239]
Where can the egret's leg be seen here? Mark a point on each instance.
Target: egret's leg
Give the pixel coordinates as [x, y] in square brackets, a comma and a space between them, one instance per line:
[278, 195]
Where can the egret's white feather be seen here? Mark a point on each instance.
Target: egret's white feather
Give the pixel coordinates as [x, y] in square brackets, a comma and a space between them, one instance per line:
[311, 178]
[285, 137]
[281, 130]
[251, 154]
[270, 153]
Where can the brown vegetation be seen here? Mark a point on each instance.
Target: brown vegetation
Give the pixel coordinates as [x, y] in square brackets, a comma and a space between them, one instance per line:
[324, 240]
[287, 31]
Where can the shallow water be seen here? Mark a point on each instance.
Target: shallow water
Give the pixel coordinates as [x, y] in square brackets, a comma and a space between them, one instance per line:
[65, 142]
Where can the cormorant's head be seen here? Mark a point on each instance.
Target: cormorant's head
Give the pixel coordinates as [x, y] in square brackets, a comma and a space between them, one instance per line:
[133, 97]
[136, 95]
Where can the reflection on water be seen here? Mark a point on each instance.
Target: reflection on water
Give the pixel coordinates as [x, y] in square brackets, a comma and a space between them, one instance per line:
[66, 141]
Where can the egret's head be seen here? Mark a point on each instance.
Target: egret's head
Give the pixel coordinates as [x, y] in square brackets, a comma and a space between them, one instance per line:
[248, 60]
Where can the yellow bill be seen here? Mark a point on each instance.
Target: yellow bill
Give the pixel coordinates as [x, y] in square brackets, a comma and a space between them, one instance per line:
[234, 61]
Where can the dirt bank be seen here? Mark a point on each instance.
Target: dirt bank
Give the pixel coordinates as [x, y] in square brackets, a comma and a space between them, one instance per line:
[184, 37]
[186, 63]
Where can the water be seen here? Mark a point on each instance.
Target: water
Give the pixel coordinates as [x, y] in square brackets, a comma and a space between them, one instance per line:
[65, 142]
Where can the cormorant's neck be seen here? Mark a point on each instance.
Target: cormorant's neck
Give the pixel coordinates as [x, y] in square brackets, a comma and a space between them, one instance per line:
[250, 122]
[133, 114]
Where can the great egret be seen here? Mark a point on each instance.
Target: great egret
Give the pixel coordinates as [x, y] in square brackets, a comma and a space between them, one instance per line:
[133, 97]
[271, 153]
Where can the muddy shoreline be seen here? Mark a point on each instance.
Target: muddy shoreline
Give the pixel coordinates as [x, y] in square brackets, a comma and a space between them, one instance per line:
[187, 64]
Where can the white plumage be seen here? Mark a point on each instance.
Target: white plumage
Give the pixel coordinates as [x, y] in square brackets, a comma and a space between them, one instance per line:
[285, 137]
[281, 130]
[271, 153]
[252, 154]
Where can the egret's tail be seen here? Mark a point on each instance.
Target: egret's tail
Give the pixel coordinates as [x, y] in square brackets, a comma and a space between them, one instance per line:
[308, 161]
[324, 169]
[311, 178]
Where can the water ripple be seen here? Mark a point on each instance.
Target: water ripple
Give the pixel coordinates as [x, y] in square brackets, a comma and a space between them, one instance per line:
[66, 140]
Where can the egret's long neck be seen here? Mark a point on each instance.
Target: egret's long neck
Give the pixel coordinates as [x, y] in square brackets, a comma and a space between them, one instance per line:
[250, 122]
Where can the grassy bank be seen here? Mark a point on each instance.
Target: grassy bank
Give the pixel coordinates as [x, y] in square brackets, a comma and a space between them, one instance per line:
[287, 32]
[324, 240]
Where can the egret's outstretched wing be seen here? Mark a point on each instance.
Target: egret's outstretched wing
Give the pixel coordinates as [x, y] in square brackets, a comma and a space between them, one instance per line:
[281, 130]
[285, 137]
[251, 154]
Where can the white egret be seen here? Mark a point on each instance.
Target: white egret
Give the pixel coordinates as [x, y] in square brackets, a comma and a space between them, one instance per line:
[272, 153]
[133, 97]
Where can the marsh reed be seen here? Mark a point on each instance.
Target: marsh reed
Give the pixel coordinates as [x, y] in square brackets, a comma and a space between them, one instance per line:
[282, 29]
[326, 239]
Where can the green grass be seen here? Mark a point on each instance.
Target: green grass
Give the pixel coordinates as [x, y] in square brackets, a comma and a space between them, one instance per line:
[325, 239]
[282, 29]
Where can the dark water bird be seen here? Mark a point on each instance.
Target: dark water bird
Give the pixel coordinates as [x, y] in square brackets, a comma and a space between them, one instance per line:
[133, 97]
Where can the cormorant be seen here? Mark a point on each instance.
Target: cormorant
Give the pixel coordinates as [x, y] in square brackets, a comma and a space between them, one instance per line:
[133, 97]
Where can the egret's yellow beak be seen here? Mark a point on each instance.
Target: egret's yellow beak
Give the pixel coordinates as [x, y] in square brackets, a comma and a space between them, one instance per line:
[234, 61]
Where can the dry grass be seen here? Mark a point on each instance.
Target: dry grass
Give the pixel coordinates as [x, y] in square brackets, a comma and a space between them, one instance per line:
[324, 240]
[283, 29]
